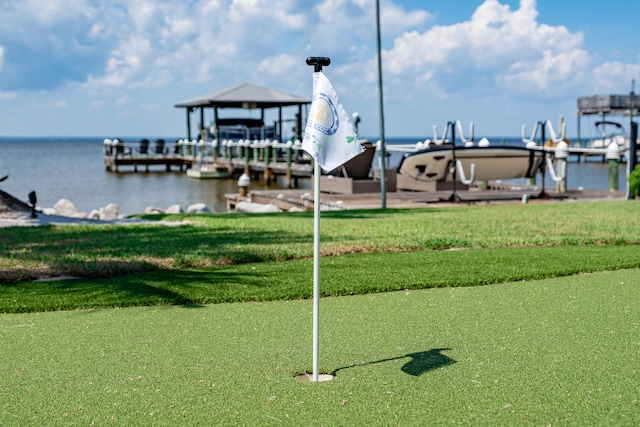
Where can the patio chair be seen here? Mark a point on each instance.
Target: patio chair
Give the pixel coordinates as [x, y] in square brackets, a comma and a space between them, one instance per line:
[143, 147]
[120, 148]
[159, 147]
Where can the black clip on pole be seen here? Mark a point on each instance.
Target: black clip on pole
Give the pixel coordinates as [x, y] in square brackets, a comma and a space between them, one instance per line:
[318, 62]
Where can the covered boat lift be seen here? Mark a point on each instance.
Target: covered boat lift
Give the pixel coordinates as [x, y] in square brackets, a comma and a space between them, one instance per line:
[603, 105]
[244, 96]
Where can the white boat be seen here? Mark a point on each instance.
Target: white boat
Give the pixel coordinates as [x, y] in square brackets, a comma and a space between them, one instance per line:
[475, 163]
[617, 135]
[208, 171]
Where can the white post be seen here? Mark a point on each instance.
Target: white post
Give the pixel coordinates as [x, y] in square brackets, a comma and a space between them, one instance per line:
[562, 152]
[316, 270]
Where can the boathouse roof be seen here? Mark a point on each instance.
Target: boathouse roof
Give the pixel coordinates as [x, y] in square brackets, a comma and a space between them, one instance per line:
[245, 95]
[608, 104]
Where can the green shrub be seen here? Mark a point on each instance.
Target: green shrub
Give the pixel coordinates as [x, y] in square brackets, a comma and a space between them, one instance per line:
[634, 181]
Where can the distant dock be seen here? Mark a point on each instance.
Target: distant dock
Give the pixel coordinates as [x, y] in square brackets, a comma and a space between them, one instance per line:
[115, 163]
[303, 199]
[262, 159]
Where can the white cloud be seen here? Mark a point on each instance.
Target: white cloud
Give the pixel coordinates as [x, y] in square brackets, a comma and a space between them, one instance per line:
[9, 95]
[125, 64]
[347, 29]
[125, 52]
[552, 75]
[279, 65]
[152, 43]
[610, 77]
[395, 19]
[498, 48]
[277, 14]
[164, 42]
[96, 104]
[52, 12]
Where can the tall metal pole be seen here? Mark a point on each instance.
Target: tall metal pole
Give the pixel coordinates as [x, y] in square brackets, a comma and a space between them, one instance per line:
[632, 158]
[383, 150]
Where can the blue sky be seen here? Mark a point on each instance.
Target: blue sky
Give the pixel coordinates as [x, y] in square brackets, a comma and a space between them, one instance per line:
[116, 67]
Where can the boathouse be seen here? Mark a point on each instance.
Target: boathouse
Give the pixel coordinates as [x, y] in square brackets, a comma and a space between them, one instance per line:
[249, 97]
[604, 105]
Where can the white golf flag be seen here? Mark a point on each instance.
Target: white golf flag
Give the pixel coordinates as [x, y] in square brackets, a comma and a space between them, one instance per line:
[329, 136]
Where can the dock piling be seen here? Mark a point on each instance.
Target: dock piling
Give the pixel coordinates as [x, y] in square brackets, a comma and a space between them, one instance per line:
[613, 157]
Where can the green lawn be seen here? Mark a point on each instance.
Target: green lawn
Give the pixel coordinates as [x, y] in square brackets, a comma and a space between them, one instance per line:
[482, 315]
[340, 275]
[560, 351]
[223, 239]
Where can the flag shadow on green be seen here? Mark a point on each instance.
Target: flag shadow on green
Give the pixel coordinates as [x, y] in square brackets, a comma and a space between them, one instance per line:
[419, 363]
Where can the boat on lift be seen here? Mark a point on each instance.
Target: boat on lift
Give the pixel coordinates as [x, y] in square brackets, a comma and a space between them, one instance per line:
[444, 160]
[610, 132]
[480, 163]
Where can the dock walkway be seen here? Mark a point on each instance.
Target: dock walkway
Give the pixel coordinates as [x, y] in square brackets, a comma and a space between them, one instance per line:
[303, 199]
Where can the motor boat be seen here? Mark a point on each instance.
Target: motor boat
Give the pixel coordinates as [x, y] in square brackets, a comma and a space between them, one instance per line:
[609, 132]
[481, 162]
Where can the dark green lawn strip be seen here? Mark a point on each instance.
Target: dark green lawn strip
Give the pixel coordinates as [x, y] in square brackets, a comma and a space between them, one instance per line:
[220, 239]
[341, 275]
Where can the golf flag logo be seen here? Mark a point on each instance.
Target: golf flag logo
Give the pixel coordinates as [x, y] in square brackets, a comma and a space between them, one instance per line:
[329, 136]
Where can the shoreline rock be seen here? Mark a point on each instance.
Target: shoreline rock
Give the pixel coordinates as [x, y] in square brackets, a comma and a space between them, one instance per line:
[13, 207]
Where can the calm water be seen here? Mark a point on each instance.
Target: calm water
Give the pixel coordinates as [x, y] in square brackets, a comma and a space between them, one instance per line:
[73, 169]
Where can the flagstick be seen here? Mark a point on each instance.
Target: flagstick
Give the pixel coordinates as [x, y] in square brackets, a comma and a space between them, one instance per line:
[316, 269]
[318, 63]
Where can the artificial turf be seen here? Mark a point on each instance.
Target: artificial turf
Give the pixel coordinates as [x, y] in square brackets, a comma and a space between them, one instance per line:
[341, 275]
[561, 351]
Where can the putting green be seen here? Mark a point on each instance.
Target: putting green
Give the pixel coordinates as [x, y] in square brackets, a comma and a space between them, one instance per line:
[555, 351]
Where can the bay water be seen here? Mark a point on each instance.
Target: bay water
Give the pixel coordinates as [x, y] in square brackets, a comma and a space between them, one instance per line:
[73, 169]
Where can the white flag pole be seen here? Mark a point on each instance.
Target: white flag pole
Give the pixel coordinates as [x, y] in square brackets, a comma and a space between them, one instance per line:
[331, 140]
[316, 270]
[318, 63]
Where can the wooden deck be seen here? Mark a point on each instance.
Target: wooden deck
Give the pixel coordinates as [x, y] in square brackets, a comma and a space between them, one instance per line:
[303, 199]
[115, 163]
[266, 171]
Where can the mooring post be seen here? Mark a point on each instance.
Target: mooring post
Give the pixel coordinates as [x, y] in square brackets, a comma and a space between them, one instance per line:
[289, 156]
[632, 157]
[267, 150]
[613, 156]
[532, 180]
[562, 153]
[247, 149]
[215, 144]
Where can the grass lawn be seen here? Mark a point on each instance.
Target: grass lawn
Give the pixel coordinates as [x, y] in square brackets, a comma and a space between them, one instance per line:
[341, 275]
[560, 351]
[224, 239]
[483, 315]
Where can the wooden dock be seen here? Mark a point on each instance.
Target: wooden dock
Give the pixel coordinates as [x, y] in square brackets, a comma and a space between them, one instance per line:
[115, 163]
[262, 160]
[303, 199]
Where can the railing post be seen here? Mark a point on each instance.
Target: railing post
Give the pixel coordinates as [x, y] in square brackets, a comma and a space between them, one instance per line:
[562, 153]
[289, 155]
[247, 150]
[613, 156]
[267, 152]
